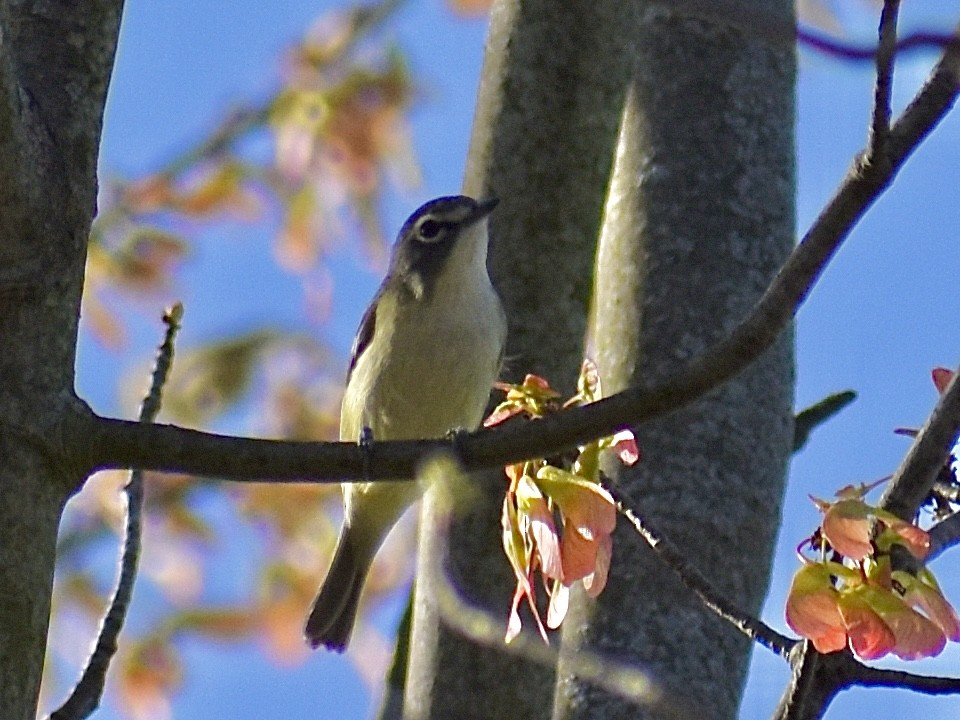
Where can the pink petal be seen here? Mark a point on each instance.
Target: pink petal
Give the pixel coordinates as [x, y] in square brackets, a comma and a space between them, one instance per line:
[514, 624]
[535, 381]
[584, 503]
[941, 378]
[559, 602]
[916, 636]
[870, 637]
[589, 380]
[514, 472]
[625, 445]
[579, 554]
[502, 413]
[846, 526]
[923, 597]
[544, 531]
[916, 539]
[812, 610]
[595, 582]
[536, 616]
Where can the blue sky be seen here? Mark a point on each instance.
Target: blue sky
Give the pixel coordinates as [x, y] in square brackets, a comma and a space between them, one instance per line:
[881, 317]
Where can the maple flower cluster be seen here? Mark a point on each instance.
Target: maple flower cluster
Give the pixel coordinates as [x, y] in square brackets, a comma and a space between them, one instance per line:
[863, 602]
[557, 521]
[857, 597]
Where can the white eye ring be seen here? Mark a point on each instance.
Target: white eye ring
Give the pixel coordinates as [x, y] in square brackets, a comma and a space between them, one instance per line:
[429, 230]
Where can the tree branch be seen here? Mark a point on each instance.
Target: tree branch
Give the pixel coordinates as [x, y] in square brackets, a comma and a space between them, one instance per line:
[758, 631]
[108, 443]
[943, 536]
[886, 50]
[877, 677]
[776, 30]
[817, 679]
[846, 51]
[912, 481]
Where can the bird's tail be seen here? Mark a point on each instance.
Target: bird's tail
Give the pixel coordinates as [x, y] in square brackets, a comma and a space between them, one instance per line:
[335, 608]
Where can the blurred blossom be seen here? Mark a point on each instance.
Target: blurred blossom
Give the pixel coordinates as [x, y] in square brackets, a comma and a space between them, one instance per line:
[173, 564]
[102, 496]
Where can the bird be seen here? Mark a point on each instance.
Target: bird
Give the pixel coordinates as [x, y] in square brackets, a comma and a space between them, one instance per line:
[424, 360]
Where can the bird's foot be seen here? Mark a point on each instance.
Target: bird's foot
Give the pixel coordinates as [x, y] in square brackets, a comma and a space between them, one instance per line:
[365, 441]
[456, 437]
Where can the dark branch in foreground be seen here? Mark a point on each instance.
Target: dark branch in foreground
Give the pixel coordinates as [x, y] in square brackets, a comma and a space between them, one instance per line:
[100, 443]
[85, 696]
[758, 631]
[818, 678]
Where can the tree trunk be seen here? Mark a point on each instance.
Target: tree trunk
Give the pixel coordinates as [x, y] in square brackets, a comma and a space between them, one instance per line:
[544, 133]
[55, 61]
[700, 216]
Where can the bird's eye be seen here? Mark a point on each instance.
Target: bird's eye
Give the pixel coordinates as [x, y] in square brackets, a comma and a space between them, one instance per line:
[429, 229]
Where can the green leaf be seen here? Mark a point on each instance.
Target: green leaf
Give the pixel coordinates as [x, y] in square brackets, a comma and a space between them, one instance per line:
[810, 418]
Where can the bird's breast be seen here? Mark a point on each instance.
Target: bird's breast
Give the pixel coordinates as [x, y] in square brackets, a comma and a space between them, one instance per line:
[433, 367]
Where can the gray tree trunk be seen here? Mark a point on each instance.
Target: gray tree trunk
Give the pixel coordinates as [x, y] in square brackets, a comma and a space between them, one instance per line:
[700, 216]
[55, 61]
[545, 129]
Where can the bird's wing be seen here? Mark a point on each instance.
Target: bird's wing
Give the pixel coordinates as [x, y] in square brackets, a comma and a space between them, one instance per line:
[364, 334]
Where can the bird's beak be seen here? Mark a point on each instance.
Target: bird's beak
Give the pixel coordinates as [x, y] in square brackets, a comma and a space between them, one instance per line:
[484, 208]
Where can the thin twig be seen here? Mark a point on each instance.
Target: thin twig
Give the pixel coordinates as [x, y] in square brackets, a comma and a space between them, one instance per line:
[757, 630]
[85, 696]
[846, 51]
[759, 23]
[886, 50]
[943, 536]
[928, 685]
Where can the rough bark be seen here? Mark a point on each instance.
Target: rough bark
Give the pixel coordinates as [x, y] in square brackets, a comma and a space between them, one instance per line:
[714, 183]
[544, 132]
[699, 217]
[55, 62]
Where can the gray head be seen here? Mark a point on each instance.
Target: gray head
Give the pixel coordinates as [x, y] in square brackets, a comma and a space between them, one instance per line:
[426, 242]
[430, 234]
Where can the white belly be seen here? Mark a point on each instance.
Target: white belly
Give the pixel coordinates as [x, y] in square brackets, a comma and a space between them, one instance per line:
[441, 378]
